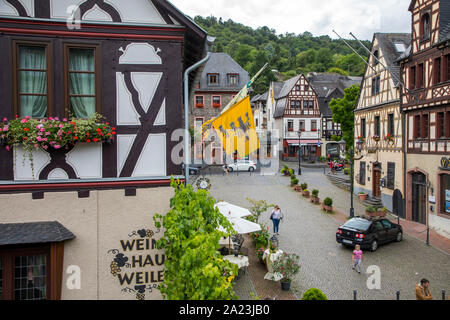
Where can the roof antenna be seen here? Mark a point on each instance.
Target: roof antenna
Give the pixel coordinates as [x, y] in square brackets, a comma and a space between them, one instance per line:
[362, 58]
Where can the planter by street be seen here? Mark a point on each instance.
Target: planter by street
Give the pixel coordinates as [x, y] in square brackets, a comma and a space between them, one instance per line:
[305, 193]
[327, 205]
[287, 265]
[362, 196]
[374, 212]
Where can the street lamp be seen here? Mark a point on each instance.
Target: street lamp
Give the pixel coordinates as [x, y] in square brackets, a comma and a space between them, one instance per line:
[342, 145]
[299, 153]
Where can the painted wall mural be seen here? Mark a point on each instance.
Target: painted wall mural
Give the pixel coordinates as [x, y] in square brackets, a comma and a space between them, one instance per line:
[137, 265]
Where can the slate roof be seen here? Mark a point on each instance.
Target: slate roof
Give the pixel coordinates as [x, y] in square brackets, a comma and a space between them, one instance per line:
[325, 83]
[387, 43]
[223, 64]
[280, 105]
[287, 87]
[33, 232]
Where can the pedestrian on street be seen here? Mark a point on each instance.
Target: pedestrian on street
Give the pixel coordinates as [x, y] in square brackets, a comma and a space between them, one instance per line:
[276, 217]
[423, 290]
[226, 169]
[357, 258]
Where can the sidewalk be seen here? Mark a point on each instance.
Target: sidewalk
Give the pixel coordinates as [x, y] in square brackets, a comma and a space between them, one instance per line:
[316, 179]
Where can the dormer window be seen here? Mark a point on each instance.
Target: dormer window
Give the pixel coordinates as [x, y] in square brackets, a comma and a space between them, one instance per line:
[233, 79]
[425, 29]
[213, 79]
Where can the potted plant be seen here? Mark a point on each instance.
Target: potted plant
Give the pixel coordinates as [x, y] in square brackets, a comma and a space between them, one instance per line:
[327, 204]
[315, 196]
[285, 170]
[260, 254]
[297, 187]
[304, 186]
[287, 265]
[361, 139]
[294, 181]
[362, 196]
[346, 171]
[305, 193]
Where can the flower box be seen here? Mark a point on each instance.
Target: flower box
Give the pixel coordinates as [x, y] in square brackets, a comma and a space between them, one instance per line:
[376, 213]
[216, 105]
[305, 193]
[199, 105]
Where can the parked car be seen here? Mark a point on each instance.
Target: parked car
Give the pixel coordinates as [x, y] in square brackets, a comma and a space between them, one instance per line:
[193, 171]
[241, 165]
[368, 233]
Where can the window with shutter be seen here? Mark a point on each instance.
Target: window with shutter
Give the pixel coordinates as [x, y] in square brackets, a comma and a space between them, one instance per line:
[391, 176]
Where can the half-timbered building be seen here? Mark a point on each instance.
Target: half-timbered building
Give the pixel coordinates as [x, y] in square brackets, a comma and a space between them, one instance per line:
[425, 103]
[378, 124]
[89, 206]
[329, 86]
[295, 109]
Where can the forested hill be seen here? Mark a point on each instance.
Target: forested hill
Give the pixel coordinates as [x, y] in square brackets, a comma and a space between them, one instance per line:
[289, 53]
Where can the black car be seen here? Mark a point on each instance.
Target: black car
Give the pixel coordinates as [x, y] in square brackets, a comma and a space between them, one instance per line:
[368, 233]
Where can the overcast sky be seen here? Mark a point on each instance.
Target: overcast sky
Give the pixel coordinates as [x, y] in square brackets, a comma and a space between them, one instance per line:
[320, 17]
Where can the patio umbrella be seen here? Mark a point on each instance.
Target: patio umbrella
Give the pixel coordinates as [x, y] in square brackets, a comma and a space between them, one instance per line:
[241, 226]
[232, 211]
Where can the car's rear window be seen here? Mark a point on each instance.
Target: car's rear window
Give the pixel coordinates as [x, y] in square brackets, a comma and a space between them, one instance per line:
[358, 224]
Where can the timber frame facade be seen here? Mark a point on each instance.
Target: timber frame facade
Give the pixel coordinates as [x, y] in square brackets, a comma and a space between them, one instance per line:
[426, 108]
[378, 123]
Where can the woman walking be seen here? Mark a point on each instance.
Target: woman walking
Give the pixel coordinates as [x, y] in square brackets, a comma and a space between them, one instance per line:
[276, 217]
[357, 258]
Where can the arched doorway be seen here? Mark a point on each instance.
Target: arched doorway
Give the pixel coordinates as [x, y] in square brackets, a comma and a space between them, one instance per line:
[419, 197]
[398, 204]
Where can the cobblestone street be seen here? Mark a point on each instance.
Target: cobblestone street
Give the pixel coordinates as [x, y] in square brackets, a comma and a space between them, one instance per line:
[310, 233]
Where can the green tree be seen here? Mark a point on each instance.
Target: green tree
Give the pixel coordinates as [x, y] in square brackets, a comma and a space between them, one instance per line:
[343, 113]
[258, 207]
[194, 268]
[338, 71]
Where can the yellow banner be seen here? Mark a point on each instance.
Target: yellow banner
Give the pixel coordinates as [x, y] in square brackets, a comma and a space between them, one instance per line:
[236, 129]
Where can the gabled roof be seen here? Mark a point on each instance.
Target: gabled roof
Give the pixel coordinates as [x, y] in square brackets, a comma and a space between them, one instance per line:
[280, 106]
[288, 85]
[223, 64]
[33, 232]
[325, 83]
[387, 44]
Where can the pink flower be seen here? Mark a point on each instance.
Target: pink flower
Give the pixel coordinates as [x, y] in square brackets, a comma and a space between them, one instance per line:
[5, 128]
[24, 120]
[45, 147]
[47, 133]
[42, 129]
[65, 119]
[7, 148]
[56, 118]
[50, 118]
[61, 126]
[44, 139]
[1, 129]
[27, 117]
[56, 146]
[38, 138]
[5, 119]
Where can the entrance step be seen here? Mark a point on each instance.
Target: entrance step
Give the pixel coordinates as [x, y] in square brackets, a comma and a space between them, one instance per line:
[374, 202]
[340, 182]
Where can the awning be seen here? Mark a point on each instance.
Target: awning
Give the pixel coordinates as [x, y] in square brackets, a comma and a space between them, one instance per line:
[33, 232]
[303, 142]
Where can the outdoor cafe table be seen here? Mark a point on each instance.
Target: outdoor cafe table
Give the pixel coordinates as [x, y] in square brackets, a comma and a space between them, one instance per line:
[241, 261]
[224, 243]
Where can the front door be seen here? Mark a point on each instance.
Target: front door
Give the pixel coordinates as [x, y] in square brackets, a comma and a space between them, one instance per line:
[419, 198]
[398, 204]
[376, 192]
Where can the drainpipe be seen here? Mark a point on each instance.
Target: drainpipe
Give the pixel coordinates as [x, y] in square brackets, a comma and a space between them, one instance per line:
[187, 150]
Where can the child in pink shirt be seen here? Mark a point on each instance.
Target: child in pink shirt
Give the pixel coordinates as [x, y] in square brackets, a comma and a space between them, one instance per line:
[357, 258]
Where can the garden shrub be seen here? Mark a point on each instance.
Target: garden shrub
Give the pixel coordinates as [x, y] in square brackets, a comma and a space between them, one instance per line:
[314, 294]
[328, 201]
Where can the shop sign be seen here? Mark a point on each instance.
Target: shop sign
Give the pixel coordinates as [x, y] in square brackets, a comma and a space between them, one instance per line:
[445, 163]
[137, 265]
